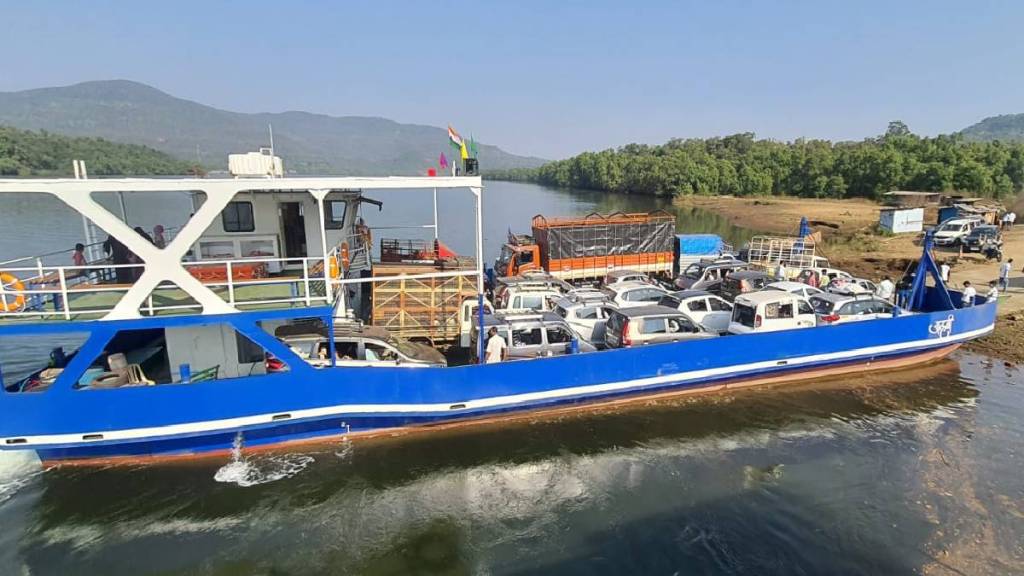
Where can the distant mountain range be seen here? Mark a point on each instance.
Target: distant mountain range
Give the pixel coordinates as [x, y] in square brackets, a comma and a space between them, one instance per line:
[1008, 127]
[135, 113]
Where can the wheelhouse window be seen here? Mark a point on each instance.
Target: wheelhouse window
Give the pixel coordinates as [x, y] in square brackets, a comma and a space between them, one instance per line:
[237, 217]
[334, 214]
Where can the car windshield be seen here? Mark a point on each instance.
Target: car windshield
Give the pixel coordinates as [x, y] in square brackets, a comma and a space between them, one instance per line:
[743, 314]
[821, 305]
[950, 227]
[694, 271]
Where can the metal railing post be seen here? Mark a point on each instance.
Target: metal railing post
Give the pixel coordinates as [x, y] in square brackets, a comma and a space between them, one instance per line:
[231, 284]
[305, 280]
[65, 303]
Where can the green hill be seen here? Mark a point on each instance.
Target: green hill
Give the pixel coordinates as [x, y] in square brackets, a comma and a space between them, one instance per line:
[26, 153]
[1008, 128]
[127, 111]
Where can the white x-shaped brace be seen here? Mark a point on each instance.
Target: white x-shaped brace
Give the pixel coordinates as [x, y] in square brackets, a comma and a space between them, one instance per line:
[160, 265]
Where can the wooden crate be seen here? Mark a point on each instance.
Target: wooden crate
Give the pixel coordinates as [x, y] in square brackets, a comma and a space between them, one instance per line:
[426, 308]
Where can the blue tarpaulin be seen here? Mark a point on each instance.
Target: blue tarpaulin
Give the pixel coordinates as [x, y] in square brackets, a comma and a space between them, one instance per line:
[695, 244]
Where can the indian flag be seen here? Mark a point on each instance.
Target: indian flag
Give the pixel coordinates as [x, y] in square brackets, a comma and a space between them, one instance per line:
[454, 137]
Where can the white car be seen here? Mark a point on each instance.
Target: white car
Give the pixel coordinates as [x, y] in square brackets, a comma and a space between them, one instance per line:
[624, 275]
[587, 318]
[953, 231]
[798, 288]
[850, 286]
[703, 308]
[770, 311]
[841, 308]
[527, 298]
[632, 294]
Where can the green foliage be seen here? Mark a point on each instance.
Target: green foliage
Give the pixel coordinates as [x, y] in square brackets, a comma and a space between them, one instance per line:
[744, 166]
[26, 153]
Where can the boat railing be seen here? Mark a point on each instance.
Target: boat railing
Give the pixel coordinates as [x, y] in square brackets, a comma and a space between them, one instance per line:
[44, 292]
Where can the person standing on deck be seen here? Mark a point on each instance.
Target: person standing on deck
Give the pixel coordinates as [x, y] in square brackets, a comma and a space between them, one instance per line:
[968, 295]
[944, 272]
[497, 349]
[118, 255]
[885, 289]
[158, 236]
[1004, 274]
[78, 256]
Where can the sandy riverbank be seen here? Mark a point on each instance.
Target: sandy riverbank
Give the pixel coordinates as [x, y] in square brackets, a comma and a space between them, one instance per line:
[851, 243]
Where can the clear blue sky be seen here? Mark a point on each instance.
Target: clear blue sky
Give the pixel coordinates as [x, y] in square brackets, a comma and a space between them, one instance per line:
[550, 78]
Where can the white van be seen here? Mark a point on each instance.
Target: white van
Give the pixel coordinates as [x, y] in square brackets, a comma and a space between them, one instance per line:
[769, 311]
[953, 231]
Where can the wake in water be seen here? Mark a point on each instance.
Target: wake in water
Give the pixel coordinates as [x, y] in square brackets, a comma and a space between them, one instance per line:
[254, 471]
[16, 470]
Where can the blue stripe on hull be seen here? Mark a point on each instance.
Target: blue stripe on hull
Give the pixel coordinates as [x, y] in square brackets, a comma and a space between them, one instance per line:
[338, 426]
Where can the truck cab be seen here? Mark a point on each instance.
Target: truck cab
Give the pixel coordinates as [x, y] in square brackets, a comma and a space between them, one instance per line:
[517, 258]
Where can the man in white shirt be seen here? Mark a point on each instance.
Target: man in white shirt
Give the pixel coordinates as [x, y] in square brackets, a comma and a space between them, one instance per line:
[497, 349]
[993, 292]
[944, 272]
[1011, 218]
[885, 289]
[968, 295]
[1004, 274]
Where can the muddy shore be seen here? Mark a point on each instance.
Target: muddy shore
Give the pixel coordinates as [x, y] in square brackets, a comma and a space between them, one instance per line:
[852, 242]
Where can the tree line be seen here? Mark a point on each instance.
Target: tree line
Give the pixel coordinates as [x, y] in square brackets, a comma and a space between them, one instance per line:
[742, 165]
[24, 153]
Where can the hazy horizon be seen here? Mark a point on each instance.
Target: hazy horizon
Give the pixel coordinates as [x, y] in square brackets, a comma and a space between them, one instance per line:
[550, 80]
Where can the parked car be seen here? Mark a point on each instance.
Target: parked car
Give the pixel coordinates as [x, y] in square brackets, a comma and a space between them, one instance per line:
[531, 335]
[586, 317]
[644, 325]
[798, 288]
[358, 346]
[770, 311]
[706, 309]
[543, 281]
[955, 230]
[628, 294]
[820, 277]
[982, 236]
[741, 282]
[842, 308]
[625, 275]
[708, 275]
[844, 285]
[527, 298]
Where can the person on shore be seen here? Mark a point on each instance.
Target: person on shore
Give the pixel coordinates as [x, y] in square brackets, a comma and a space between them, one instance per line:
[1004, 221]
[885, 289]
[944, 272]
[1012, 219]
[993, 292]
[497, 349]
[1004, 274]
[968, 295]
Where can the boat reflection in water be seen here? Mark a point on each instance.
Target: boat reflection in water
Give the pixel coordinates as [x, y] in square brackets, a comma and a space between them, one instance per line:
[818, 478]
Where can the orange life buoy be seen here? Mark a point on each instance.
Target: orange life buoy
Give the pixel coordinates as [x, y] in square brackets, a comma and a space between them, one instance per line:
[6, 304]
[333, 267]
[344, 255]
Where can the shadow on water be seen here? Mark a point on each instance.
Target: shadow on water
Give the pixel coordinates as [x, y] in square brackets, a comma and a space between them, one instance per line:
[720, 484]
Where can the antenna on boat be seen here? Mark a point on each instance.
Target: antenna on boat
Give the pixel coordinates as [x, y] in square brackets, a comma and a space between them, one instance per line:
[270, 128]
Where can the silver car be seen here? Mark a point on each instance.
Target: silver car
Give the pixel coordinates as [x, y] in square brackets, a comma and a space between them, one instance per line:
[586, 317]
[532, 335]
[650, 325]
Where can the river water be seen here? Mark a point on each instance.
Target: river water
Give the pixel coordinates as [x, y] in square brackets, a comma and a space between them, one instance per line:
[899, 473]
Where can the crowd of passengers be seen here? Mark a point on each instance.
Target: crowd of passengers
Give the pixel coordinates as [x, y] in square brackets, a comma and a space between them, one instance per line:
[538, 315]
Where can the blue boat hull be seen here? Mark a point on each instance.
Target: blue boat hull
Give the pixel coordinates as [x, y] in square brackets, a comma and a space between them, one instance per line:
[306, 404]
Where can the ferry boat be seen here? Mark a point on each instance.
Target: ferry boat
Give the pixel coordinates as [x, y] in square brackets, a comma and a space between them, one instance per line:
[180, 357]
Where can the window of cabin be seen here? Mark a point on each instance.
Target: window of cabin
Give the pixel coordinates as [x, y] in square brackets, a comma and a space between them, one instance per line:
[237, 217]
[334, 214]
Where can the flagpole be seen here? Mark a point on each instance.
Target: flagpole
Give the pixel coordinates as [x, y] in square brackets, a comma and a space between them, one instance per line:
[435, 213]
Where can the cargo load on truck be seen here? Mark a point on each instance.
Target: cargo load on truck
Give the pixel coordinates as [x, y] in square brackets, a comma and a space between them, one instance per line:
[690, 248]
[425, 309]
[587, 248]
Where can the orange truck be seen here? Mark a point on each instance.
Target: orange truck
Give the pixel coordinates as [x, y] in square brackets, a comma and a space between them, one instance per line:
[587, 248]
